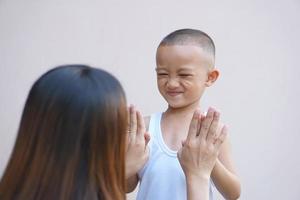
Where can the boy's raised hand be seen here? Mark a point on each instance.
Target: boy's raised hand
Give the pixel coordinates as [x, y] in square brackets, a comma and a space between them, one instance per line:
[200, 150]
[137, 150]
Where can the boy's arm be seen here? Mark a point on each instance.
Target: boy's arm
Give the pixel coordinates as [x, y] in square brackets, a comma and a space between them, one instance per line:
[224, 174]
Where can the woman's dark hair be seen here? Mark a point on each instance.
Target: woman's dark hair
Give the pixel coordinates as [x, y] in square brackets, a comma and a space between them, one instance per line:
[71, 139]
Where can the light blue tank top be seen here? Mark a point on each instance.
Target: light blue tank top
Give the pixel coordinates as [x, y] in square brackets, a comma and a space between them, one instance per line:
[162, 177]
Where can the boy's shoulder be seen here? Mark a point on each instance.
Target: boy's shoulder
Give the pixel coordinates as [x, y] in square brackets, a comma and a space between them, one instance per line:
[147, 119]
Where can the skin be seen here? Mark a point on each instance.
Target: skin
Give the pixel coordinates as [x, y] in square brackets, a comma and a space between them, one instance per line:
[197, 155]
[137, 147]
[183, 74]
[199, 152]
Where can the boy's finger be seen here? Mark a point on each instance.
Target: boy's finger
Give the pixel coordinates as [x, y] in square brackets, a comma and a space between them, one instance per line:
[141, 129]
[212, 132]
[205, 123]
[222, 137]
[193, 125]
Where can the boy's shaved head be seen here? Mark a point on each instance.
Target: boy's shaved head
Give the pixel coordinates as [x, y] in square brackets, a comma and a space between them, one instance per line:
[190, 37]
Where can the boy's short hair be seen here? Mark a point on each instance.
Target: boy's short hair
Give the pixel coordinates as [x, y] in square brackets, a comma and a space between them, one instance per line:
[190, 37]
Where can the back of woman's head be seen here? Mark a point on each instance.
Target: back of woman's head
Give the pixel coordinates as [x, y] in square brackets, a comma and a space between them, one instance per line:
[71, 140]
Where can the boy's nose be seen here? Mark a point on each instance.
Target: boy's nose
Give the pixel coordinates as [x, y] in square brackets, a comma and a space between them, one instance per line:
[172, 83]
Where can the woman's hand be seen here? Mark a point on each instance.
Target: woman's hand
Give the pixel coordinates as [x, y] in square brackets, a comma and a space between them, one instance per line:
[137, 150]
[199, 152]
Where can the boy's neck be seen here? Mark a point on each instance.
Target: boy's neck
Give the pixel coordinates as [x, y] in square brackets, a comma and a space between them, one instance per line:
[186, 110]
[175, 124]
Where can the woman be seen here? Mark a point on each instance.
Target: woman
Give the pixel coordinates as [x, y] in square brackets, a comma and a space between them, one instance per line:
[71, 140]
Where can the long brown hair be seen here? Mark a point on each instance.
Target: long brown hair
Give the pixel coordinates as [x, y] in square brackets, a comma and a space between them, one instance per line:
[71, 139]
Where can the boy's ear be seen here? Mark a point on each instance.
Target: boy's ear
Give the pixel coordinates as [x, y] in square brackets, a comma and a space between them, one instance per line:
[212, 77]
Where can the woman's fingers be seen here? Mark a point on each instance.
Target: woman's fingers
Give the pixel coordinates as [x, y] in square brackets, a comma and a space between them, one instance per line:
[141, 129]
[193, 126]
[206, 123]
[128, 124]
[137, 128]
[198, 154]
[200, 120]
[212, 132]
[218, 142]
[133, 123]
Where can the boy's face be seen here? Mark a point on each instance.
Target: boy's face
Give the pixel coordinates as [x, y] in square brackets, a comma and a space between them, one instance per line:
[183, 73]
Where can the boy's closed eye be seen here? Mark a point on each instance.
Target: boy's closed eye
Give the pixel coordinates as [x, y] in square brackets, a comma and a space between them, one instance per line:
[185, 75]
[162, 74]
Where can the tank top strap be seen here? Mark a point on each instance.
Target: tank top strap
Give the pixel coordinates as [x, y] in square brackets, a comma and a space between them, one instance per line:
[154, 124]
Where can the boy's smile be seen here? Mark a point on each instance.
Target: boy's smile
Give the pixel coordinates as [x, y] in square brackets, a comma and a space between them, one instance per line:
[183, 73]
[173, 93]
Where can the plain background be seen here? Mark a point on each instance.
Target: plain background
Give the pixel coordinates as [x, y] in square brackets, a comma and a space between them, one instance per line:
[257, 53]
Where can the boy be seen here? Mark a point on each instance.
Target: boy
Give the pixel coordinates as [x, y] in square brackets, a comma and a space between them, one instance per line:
[185, 67]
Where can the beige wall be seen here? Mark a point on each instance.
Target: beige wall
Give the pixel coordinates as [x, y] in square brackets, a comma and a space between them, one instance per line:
[257, 53]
